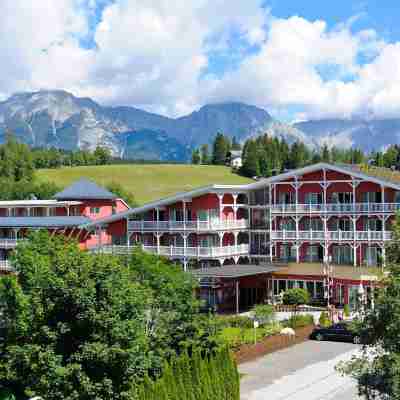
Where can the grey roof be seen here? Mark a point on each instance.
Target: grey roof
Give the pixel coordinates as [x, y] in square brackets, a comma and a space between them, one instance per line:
[84, 189]
[42, 222]
[234, 271]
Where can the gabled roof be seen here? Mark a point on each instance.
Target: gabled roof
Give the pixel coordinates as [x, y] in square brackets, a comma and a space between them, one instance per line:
[84, 189]
[43, 222]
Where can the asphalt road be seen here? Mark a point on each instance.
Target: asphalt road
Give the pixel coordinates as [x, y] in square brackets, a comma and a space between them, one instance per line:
[305, 371]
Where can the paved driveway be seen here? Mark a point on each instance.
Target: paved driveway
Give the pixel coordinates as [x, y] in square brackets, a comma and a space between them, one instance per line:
[305, 371]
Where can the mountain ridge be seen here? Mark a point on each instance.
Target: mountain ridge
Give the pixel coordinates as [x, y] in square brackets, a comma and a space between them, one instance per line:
[57, 118]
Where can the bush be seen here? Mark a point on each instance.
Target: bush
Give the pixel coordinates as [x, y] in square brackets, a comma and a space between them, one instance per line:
[296, 297]
[235, 321]
[324, 320]
[346, 310]
[264, 313]
[299, 321]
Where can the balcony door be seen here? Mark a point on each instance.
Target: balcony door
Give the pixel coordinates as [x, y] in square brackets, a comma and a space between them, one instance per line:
[342, 197]
[342, 255]
[313, 198]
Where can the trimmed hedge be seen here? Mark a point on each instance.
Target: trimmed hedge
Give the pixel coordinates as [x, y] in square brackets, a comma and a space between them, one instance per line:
[299, 321]
[194, 378]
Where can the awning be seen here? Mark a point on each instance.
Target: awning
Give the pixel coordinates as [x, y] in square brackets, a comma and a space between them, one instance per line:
[235, 271]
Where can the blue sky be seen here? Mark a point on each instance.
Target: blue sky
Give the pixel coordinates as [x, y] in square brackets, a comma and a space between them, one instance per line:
[297, 59]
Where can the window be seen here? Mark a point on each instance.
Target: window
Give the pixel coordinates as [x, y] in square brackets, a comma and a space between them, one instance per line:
[314, 253]
[345, 225]
[281, 286]
[314, 224]
[371, 256]
[342, 254]
[342, 197]
[371, 197]
[319, 287]
[310, 288]
[94, 210]
[286, 198]
[313, 198]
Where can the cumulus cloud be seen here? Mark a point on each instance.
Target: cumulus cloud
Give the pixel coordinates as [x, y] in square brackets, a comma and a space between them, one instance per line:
[159, 54]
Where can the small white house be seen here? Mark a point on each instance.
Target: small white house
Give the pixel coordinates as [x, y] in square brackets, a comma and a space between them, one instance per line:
[235, 159]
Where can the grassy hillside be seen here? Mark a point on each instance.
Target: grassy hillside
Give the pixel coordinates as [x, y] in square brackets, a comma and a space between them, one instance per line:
[147, 182]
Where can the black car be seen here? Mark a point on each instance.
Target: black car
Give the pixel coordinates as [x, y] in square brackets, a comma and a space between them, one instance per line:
[339, 332]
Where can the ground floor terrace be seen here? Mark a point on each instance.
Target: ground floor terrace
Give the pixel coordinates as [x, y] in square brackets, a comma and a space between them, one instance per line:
[238, 288]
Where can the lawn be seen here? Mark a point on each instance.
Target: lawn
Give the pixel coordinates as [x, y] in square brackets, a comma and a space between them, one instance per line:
[147, 182]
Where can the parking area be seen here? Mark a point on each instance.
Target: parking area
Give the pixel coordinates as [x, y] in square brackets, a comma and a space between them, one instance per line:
[305, 371]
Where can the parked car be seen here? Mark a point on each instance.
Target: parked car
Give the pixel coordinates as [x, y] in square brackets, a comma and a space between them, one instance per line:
[338, 332]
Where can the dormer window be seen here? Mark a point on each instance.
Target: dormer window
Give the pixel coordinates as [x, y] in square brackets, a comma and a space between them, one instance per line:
[94, 210]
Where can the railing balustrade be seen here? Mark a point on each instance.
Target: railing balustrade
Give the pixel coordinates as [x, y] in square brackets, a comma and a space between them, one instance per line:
[6, 243]
[341, 208]
[176, 251]
[332, 235]
[5, 266]
[187, 225]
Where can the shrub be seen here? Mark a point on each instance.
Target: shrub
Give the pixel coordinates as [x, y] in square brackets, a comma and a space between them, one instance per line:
[235, 321]
[346, 310]
[296, 296]
[324, 320]
[264, 313]
[193, 378]
[299, 321]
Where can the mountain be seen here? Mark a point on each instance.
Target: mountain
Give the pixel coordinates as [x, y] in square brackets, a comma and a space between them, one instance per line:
[233, 119]
[57, 118]
[368, 135]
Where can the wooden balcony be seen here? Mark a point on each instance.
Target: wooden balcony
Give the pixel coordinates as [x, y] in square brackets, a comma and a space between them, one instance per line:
[6, 243]
[334, 236]
[181, 252]
[337, 208]
[195, 226]
[5, 266]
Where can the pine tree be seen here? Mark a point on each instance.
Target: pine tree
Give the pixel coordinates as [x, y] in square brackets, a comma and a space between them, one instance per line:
[205, 154]
[196, 158]
[326, 156]
[221, 147]
[235, 144]
[250, 166]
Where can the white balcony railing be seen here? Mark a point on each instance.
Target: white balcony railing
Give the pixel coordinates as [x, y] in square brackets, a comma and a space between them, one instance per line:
[357, 208]
[175, 251]
[332, 235]
[8, 243]
[188, 225]
[5, 266]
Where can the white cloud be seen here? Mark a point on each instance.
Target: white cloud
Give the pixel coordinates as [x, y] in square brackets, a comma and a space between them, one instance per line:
[157, 54]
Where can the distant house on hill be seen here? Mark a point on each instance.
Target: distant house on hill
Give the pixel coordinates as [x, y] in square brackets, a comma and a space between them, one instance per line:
[235, 158]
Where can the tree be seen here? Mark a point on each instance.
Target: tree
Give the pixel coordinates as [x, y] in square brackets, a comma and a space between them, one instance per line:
[390, 157]
[378, 371]
[221, 147]
[91, 326]
[250, 166]
[102, 155]
[235, 144]
[118, 190]
[196, 157]
[296, 297]
[326, 156]
[16, 162]
[205, 155]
